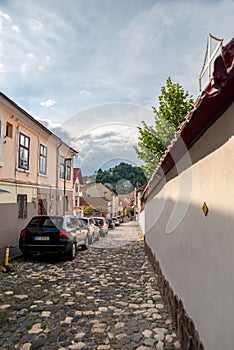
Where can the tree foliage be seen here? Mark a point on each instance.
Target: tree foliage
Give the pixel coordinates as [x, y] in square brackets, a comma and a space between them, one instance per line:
[88, 210]
[174, 104]
[123, 178]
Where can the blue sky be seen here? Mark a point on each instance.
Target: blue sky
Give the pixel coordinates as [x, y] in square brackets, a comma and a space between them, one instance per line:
[95, 67]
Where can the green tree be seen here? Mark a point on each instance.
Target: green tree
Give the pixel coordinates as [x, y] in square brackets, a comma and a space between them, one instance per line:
[174, 104]
[122, 178]
[88, 210]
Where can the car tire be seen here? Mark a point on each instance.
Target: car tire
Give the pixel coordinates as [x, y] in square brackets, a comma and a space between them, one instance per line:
[85, 246]
[91, 239]
[86, 242]
[72, 252]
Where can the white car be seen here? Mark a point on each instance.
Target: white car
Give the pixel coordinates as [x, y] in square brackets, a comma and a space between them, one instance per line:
[102, 224]
[93, 229]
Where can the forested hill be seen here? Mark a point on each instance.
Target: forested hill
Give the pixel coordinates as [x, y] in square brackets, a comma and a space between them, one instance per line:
[123, 178]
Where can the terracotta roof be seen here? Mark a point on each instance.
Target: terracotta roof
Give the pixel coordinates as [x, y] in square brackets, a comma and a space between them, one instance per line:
[214, 100]
[94, 202]
[77, 173]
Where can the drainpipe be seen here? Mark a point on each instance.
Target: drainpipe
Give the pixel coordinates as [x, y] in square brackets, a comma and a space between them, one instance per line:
[57, 175]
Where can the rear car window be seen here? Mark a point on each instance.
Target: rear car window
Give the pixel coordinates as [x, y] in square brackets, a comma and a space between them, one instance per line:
[46, 222]
[99, 221]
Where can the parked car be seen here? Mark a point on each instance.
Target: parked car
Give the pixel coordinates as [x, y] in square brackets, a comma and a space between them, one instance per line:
[120, 218]
[116, 220]
[93, 229]
[102, 224]
[111, 223]
[53, 234]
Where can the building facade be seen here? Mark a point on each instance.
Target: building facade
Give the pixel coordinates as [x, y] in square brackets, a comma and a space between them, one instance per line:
[36, 169]
[102, 191]
[78, 192]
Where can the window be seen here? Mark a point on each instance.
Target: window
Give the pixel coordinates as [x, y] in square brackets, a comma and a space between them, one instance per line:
[68, 169]
[43, 160]
[62, 159]
[1, 140]
[65, 162]
[9, 130]
[24, 143]
[22, 206]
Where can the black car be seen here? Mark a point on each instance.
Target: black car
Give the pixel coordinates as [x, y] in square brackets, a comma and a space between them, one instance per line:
[111, 223]
[53, 234]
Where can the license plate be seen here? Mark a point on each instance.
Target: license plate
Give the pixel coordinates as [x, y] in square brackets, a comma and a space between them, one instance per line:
[41, 238]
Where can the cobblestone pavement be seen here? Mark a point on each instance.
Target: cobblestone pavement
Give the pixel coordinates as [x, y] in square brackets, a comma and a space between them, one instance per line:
[107, 298]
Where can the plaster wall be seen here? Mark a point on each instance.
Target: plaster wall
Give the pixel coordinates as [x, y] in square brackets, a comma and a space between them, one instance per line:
[196, 252]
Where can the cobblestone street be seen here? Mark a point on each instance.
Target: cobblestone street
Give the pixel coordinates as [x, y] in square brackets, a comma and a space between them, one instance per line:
[107, 298]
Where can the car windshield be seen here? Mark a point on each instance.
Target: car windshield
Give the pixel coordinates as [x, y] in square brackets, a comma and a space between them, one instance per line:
[85, 220]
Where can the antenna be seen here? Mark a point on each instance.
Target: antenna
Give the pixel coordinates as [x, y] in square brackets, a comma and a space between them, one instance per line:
[209, 58]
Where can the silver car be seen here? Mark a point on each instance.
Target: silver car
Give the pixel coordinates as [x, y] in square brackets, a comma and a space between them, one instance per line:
[102, 224]
[93, 229]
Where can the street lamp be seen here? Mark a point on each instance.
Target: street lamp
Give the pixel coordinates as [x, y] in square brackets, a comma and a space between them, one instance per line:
[64, 183]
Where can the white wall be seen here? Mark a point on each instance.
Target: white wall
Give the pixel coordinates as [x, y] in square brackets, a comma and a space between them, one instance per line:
[141, 221]
[196, 252]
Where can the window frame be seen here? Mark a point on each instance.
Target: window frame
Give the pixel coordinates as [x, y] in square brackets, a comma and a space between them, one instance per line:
[1, 140]
[43, 157]
[25, 148]
[9, 130]
[61, 166]
[68, 169]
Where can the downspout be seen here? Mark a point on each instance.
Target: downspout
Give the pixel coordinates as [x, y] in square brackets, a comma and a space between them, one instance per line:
[57, 175]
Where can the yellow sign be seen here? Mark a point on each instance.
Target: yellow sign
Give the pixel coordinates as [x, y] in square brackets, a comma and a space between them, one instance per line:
[205, 209]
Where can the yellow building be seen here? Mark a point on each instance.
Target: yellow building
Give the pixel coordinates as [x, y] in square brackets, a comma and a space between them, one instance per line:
[36, 170]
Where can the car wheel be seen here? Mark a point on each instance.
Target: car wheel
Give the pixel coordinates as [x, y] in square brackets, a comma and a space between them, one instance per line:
[86, 242]
[72, 252]
[85, 246]
[91, 239]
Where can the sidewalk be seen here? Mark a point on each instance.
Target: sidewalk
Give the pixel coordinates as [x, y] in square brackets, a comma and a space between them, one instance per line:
[107, 298]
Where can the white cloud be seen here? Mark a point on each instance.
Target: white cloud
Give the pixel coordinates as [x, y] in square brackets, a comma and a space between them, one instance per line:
[84, 92]
[5, 16]
[2, 69]
[30, 55]
[36, 25]
[41, 68]
[48, 103]
[124, 56]
[23, 68]
[16, 29]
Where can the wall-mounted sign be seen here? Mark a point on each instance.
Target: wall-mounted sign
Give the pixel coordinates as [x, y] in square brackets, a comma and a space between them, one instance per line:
[205, 209]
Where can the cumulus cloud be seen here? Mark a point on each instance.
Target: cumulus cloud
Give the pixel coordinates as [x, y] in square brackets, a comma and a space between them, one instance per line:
[48, 103]
[125, 56]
